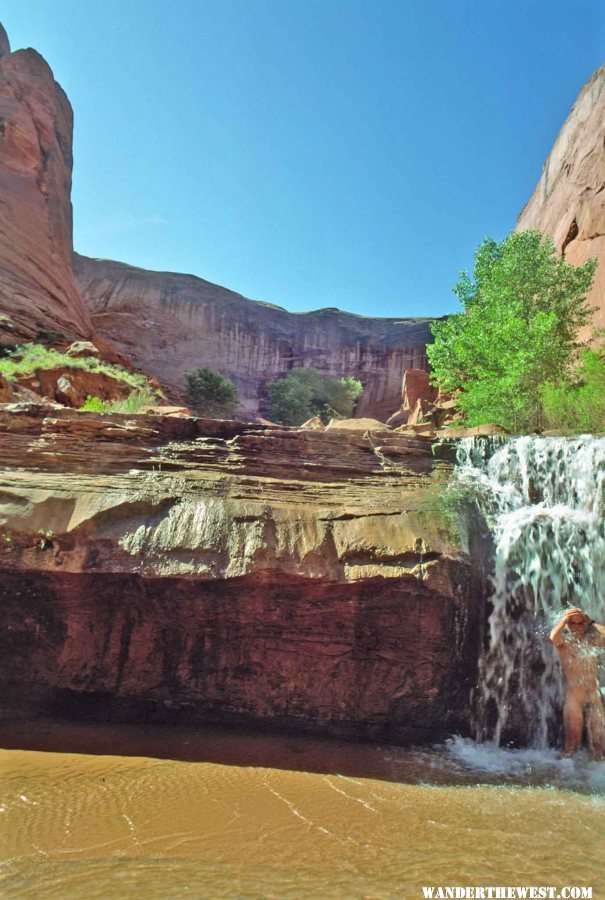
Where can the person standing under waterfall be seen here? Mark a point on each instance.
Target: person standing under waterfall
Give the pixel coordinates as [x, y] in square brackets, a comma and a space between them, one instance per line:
[578, 639]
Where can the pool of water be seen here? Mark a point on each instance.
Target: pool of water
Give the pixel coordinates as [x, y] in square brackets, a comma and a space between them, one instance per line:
[129, 811]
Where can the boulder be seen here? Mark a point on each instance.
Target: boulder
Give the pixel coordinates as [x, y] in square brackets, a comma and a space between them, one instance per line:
[71, 387]
[422, 412]
[426, 429]
[474, 431]
[82, 350]
[398, 418]
[177, 411]
[356, 425]
[315, 424]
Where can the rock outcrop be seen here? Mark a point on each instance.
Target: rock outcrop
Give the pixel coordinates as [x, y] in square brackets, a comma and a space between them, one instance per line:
[155, 567]
[416, 393]
[170, 324]
[38, 294]
[569, 200]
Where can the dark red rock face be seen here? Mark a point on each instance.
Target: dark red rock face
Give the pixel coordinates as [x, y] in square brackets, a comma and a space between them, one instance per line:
[381, 660]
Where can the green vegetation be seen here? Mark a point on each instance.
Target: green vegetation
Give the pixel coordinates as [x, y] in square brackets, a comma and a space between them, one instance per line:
[523, 309]
[578, 404]
[133, 403]
[210, 394]
[25, 360]
[305, 393]
[444, 508]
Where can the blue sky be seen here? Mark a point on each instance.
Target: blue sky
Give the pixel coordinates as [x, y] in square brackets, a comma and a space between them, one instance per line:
[333, 153]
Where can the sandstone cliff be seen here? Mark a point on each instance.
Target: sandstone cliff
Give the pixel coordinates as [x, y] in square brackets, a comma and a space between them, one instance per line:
[569, 200]
[155, 567]
[170, 324]
[37, 288]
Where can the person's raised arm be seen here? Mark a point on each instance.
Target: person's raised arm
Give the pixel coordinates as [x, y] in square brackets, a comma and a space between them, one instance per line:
[556, 635]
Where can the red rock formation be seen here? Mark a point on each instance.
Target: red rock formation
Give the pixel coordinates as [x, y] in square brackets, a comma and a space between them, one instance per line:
[416, 386]
[163, 567]
[170, 324]
[37, 289]
[71, 387]
[569, 200]
[416, 389]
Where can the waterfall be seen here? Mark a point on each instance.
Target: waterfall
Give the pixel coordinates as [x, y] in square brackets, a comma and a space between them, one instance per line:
[543, 500]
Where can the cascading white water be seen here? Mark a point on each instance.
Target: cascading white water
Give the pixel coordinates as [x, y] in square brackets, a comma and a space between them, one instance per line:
[543, 499]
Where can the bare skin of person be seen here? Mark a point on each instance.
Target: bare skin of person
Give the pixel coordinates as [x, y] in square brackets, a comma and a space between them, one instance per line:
[578, 639]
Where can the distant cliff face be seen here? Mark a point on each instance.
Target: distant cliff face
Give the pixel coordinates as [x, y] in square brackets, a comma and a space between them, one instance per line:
[37, 288]
[171, 324]
[569, 201]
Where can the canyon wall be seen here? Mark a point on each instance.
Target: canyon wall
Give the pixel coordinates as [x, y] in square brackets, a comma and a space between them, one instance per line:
[569, 200]
[170, 324]
[167, 324]
[38, 293]
[163, 568]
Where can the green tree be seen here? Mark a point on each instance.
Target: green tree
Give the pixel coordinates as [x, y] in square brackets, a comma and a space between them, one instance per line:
[211, 394]
[579, 404]
[523, 308]
[305, 393]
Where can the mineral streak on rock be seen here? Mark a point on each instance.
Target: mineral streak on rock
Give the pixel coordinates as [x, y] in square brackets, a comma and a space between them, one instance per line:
[37, 289]
[155, 566]
[170, 324]
[569, 200]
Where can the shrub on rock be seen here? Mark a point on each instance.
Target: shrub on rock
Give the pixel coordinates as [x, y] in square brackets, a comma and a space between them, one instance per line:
[210, 394]
[306, 393]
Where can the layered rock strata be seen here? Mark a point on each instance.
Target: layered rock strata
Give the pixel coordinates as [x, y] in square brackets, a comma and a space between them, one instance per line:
[170, 324]
[569, 200]
[38, 294]
[160, 567]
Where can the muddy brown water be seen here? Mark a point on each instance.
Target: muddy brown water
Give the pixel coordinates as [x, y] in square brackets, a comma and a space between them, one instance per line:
[98, 811]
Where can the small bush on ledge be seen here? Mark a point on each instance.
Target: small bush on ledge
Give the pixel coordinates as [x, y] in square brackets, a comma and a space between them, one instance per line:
[211, 394]
[305, 393]
[28, 358]
[133, 403]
